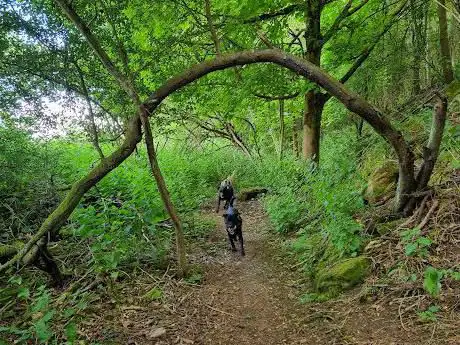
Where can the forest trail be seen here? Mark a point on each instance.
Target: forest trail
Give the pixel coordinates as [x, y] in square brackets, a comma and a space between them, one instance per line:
[250, 300]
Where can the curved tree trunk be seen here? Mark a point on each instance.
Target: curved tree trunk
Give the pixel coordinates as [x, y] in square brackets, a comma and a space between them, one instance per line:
[352, 101]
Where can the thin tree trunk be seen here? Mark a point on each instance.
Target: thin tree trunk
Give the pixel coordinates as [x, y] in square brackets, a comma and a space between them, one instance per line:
[93, 134]
[313, 107]
[295, 139]
[446, 59]
[281, 104]
[165, 197]
[313, 110]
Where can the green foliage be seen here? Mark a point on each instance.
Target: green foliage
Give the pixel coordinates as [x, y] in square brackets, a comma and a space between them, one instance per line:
[414, 243]
[195, 275]
[429, 315]
[432, 281]
[154, 294]
[42, 319]
[26, 181]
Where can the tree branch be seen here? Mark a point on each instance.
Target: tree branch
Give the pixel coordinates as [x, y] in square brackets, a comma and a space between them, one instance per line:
[281, 12]
[98, 50]
[368, 50]
[346, 12]
[276, 98]
[92, 124]
[352, 102]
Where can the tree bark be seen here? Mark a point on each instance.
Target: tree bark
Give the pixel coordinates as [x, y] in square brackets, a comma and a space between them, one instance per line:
[313, 105]
[313, 110]
[446, 59]
[165, 197]
[431, 151]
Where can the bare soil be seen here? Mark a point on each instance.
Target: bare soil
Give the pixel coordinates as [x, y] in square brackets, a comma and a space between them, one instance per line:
[251, 300]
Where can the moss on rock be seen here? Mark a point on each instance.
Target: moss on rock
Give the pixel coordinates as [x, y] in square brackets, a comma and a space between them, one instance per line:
[343, 275]
[382, 182]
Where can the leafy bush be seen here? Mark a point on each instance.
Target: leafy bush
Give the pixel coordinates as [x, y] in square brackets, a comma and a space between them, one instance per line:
[27, 181]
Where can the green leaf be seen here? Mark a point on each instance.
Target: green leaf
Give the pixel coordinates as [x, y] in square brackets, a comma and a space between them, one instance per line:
[455, 276]
[154, 294]
[69, 312]
[411, 249]
[41, 302]
[432, 281]
[426, 242]
[42, 331]
[71, 332]
[23, 293]
[15, 280]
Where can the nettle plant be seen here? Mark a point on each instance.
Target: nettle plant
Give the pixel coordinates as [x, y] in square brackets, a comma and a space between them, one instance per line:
[414, 243]
[47, 319]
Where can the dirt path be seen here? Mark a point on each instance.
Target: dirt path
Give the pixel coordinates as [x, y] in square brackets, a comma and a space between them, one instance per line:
[251, 300]
[248, 300]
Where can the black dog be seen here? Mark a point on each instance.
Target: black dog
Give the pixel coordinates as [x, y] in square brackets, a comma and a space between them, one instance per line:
[234, 227]
[225, 192]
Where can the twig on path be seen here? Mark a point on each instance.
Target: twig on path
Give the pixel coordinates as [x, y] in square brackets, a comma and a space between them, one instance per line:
[220, 311]
[400, 316]
[432, 334]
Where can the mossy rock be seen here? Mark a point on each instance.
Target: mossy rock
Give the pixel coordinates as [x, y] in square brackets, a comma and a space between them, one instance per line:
[251, 193]
[343, 275]
[382, 182]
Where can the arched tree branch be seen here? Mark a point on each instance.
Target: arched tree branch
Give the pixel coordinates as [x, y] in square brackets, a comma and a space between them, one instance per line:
[352, 101]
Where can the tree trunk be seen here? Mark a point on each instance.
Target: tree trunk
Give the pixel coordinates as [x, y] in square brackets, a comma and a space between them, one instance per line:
[281, 104]
[313, 110]
[314, 104]
[446, 59]
[165, 197]
[295, 139]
